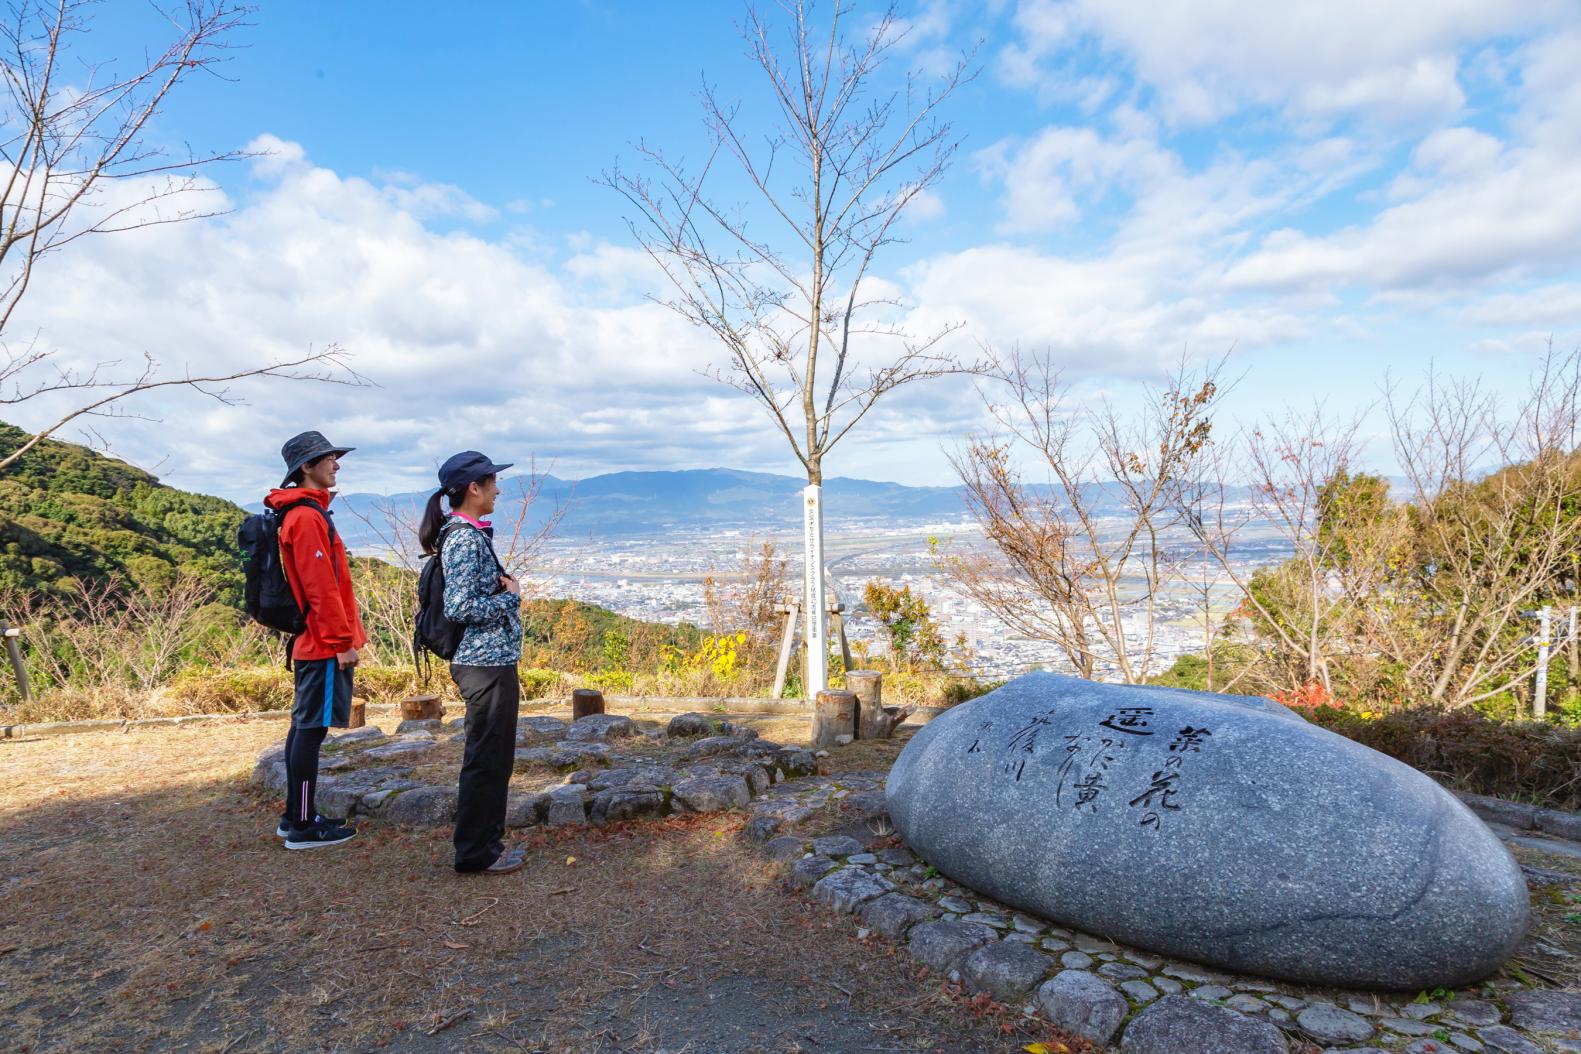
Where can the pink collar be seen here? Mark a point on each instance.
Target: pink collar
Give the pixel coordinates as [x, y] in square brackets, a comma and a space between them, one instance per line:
[479, 524]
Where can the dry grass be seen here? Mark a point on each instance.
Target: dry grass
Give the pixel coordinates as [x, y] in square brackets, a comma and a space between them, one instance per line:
[147, 905]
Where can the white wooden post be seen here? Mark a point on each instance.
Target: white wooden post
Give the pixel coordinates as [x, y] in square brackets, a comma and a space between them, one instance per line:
[1544, 642]
[815, 633]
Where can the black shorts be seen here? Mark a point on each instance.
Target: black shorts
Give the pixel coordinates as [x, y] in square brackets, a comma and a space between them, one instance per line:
[323, 694]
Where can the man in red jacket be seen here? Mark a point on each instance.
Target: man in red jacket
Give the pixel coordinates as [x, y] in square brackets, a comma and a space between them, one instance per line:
[323, 656]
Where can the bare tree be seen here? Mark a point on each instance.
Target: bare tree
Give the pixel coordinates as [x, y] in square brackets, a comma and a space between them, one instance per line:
[792, 305]
[1083, 561]
[77, 162]
[746, 599]
[1494, 498]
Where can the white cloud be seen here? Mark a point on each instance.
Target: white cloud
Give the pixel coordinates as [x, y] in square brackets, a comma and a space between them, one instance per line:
[1315, 58]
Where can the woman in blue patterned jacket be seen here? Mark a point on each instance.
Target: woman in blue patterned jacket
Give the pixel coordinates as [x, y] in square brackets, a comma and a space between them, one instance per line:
[480, 596]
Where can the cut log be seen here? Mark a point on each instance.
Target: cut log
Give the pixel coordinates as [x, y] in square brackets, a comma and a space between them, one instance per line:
[833, 716]
[359, 713]
[586, 701]
[868, 687]
[422, 708]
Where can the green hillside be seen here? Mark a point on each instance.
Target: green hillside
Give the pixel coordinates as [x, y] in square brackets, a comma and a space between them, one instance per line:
[69, 512]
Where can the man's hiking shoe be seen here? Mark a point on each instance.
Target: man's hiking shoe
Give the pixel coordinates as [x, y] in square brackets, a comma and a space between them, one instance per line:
[510, 860]
[284, 829]
[320, 834]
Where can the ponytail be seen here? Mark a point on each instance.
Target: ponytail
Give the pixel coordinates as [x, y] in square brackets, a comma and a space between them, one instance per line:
[433, 520]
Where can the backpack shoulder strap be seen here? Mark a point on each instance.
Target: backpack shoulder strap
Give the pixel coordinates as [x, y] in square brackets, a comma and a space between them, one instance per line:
[299, 503]
[488, 543]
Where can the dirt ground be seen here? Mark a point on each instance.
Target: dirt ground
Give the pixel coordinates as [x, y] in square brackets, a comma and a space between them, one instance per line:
[145, 905]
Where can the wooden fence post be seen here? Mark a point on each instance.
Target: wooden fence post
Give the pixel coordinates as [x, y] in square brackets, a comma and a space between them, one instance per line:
[11, 634]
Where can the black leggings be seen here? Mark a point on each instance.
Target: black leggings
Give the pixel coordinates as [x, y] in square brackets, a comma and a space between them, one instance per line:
[301, 774]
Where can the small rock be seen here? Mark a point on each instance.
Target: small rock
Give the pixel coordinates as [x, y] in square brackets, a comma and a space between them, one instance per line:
[1465, 1042]
[1330, 1024]
[1246, 1004]
[1407, 1027]
[1426, 1046]
[625, 803]
[690, 725]
[1075, 960]
[710, 794]
[1091, 945]
[355, 735]
[958, 904]
[529, 758]
[523, 810]
[1506, 1040]
[785, 848]
[1478, 1013]
[1420, 1011]
[1083, 1004]
[423, 805]
[898, 856]
[941, 945]
[1193, 974]
[1122, 972]
[1006, 970]
[426, 724]
[1289, 1002]
[601, 727]
[401, 748]
[837, 845]
[1139, 991]
[1026, 923]
[861, 858]
[712, 746]
[844, 890]
[1179, 1025]
[567, 805]
[894, 913]
[1167, 985]
[1545, 1010]
[809, 869]
[987, 918]
[1211, 992]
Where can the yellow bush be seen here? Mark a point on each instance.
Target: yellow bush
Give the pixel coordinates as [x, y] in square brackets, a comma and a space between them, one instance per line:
[232, 691]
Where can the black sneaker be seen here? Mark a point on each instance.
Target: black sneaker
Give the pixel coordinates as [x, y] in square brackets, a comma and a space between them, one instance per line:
[284, 829]
[320, 834]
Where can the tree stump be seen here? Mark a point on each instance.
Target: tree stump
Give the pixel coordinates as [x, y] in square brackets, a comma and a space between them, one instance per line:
[586, 701]
[359, 713]
[868, 687]
[422, 708]
[833, 716]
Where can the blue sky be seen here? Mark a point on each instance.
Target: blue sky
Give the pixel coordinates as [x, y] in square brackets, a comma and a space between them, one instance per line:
[1338, 190]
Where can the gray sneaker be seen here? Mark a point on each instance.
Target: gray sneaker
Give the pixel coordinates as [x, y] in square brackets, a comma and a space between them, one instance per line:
[510, 860]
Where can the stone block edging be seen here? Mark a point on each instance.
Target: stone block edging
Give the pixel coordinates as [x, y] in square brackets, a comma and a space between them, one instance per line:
[1106, 992]
[1561, 823]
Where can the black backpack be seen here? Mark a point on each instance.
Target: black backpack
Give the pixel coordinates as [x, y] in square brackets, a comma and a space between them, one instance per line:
[434, 632]
[267, 595]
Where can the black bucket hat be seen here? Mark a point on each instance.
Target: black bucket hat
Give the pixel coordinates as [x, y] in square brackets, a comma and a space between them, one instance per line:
[309, 446]
[469, 466]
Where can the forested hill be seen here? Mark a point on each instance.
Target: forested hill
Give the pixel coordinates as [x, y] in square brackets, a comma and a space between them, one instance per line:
[69, 512]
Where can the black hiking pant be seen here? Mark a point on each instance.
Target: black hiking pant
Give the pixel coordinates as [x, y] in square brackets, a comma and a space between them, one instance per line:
[493, 696]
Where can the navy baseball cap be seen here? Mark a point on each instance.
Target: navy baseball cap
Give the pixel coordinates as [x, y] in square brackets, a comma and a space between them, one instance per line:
[469, 466]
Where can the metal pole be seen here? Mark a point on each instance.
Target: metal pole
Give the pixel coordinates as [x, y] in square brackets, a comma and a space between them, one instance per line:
[11, 634]
[1544, 642]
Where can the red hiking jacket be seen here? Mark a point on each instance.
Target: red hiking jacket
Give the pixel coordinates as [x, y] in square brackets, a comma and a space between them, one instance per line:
[320, 577]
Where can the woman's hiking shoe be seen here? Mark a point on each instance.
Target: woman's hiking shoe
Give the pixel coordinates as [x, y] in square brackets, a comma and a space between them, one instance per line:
[320, 834]
[284, 829]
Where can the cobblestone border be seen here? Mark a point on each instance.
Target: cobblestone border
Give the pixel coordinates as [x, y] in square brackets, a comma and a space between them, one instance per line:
[718, 766]
[1103, 991]
[726, 704]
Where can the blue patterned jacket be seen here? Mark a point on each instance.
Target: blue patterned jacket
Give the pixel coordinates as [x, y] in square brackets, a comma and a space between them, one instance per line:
[493, 634]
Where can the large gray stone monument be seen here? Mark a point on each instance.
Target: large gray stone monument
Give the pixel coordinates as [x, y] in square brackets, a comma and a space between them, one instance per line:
[1223, 829]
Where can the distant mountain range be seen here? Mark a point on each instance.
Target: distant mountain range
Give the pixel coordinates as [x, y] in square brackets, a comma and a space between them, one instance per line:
[634, 503]
[630, 503]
